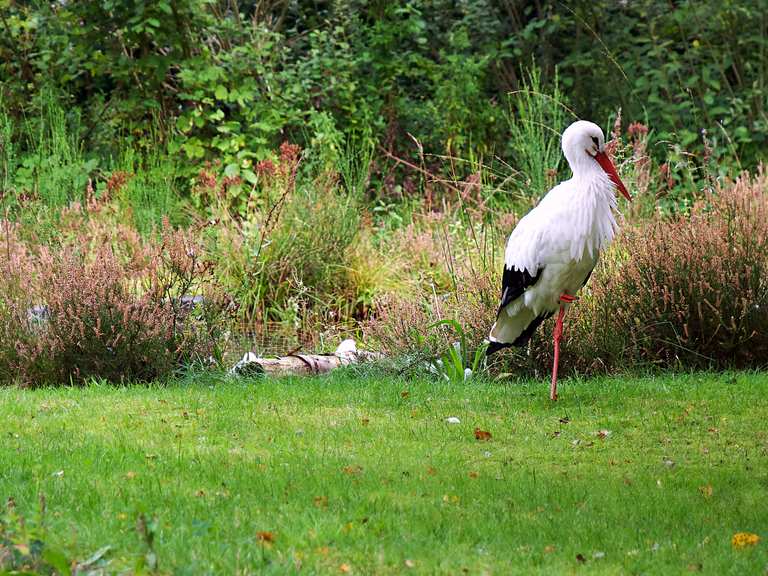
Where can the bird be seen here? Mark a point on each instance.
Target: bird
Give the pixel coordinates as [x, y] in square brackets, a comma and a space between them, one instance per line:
[553, 249]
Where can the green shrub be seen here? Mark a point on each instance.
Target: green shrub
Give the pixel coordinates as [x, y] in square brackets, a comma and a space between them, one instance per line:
[293, 249]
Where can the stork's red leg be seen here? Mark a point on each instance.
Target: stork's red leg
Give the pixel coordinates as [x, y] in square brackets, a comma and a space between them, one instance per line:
[558, 334]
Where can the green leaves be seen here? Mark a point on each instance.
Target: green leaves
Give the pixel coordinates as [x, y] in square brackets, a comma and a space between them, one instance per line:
[458, 363]
[221, 92]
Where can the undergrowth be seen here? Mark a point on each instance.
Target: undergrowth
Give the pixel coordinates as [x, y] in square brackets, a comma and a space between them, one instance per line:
[308, 244]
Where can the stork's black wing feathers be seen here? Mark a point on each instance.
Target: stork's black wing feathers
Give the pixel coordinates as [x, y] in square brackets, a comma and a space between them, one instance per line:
[587, 278]
[514, 282]
[521, 340]
[526, 334]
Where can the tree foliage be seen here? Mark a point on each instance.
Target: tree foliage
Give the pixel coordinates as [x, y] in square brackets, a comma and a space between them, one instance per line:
[226, 81]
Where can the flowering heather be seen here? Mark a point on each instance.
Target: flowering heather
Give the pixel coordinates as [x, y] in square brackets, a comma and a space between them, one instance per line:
[687, 291]
[70, 312]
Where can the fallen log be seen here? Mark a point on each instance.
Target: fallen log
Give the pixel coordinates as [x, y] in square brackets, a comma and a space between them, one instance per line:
[302, 364]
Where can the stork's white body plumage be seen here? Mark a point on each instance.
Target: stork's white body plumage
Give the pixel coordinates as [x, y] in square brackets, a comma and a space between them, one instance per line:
[562, 237]
[553, 249]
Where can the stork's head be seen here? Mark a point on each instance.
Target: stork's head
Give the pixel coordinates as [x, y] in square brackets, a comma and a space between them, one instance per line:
[584, 148]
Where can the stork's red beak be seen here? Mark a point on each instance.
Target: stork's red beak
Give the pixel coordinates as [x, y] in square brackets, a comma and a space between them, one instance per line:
[608, 168]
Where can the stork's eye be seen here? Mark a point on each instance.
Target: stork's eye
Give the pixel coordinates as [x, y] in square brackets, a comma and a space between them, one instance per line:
[596, 141]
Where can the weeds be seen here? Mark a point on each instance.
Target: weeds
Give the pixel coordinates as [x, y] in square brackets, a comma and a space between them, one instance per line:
[459, 362]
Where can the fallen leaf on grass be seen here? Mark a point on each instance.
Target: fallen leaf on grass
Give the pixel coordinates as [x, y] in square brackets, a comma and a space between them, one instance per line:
[265, 536]
[365, 421]
[695, 567]
[549, 549]
[352, 470]
[321, 501]
[403, 394]
[580, 558]
[603, 434]
[345, 568]
[474, 474]
[744, 539]
[706, 491]
[409, 563]
[482, 435]
[130, 475]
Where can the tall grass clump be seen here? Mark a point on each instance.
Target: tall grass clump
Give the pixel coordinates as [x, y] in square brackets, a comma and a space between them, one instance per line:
[290, 254]
[8, 157]
[536, 118]
[53, 168]
[149, 193]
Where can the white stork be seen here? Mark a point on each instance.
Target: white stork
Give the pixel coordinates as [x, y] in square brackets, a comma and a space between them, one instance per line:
[553, 249]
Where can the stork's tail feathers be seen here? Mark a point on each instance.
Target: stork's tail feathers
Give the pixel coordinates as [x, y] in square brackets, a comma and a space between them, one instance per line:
[495, 347]
[520, 340]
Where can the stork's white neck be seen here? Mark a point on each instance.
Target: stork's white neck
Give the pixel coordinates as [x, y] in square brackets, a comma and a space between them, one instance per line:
[583, 166]
[594, 204]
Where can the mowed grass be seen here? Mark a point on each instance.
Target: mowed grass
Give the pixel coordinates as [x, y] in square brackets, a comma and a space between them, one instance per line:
[364, 475]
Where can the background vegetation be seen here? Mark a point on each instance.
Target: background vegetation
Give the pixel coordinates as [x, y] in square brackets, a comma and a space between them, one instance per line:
[350, 166]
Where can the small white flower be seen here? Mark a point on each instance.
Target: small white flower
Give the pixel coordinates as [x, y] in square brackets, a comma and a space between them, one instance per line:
[453, 420]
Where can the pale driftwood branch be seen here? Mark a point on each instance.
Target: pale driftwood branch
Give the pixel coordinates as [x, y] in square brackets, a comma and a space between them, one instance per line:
[303, 364]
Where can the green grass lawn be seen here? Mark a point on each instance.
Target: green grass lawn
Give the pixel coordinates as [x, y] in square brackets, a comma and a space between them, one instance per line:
[364, 475]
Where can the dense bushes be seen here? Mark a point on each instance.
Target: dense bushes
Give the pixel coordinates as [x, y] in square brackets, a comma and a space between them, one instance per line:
[686, 291]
